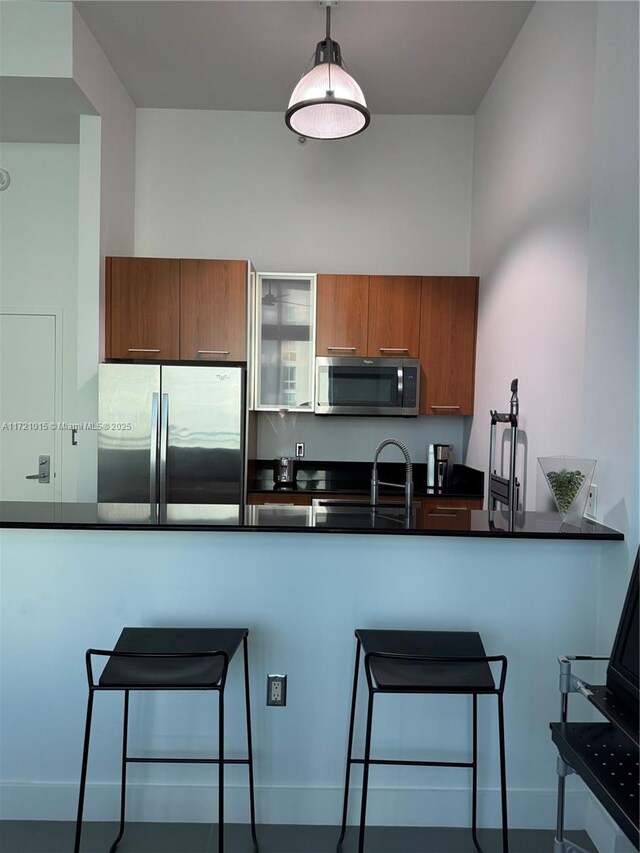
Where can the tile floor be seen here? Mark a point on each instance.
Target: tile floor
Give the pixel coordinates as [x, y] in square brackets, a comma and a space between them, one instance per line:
[57, 837]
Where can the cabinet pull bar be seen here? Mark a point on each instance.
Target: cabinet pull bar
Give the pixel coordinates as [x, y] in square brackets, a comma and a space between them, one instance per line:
[141, 349]
[445, 407]
[454, 508]
[394, 349]
[346, 349]
[213, 352]
[443, 514]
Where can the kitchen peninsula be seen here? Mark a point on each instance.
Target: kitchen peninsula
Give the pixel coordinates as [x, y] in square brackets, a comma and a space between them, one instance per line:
[531, 595]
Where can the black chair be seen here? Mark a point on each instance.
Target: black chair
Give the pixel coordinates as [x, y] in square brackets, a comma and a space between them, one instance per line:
[170, 659]
[447, 662]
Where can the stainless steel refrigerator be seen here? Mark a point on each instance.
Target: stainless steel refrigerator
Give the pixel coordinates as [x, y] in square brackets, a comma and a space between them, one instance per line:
[171, 434]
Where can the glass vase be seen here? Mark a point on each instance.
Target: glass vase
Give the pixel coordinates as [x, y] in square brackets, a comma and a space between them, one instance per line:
[569, 479]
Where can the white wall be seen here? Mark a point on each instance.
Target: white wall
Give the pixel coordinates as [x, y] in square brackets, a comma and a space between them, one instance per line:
[235, 184]
[610, 399]
[530, 233]
[554, 239]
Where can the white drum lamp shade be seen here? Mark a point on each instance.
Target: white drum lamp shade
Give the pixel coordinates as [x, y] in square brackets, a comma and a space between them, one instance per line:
[327, 103]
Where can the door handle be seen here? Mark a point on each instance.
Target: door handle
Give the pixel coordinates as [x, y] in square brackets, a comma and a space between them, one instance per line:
[164, 446]
[153, 451]
[44, 475]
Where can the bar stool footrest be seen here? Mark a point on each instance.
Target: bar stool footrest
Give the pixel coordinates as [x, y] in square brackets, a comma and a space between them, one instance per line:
[406, 763]
[167, 760]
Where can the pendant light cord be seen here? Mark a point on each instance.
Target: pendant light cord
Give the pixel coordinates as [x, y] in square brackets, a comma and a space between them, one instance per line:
[329, 42]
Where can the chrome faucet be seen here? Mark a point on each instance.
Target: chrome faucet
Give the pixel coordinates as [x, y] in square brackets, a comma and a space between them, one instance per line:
[408, 485]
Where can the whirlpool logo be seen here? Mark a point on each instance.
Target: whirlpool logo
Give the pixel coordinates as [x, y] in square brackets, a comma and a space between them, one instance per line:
[222, 377]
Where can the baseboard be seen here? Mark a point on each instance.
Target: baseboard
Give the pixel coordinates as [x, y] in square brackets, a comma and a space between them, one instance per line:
[603, 831]
[528, 809]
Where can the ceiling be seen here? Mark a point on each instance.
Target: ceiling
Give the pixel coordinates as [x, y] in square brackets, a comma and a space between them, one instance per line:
[415, 57]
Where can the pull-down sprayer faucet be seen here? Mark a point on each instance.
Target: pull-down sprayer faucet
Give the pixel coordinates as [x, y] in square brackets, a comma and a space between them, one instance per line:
[408, 485]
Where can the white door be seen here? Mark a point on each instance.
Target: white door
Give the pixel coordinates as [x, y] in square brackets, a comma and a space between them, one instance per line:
[27, 406]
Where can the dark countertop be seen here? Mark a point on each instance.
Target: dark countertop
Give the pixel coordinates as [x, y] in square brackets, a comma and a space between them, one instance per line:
[290, 519]
[355, 478]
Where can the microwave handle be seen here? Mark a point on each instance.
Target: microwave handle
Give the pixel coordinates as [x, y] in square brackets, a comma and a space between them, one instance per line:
[400, 387]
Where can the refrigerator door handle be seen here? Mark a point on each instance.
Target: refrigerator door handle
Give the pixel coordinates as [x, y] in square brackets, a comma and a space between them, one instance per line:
[153, 451]
[164, 443]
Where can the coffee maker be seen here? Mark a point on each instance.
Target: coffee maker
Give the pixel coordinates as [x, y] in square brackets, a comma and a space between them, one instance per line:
[439, 465]
[284, 472]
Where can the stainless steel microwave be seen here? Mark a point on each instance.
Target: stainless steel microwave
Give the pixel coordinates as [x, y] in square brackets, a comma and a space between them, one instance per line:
[367, 386]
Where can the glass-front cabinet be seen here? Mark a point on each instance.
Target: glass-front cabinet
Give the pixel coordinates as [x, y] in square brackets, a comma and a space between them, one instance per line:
[284, 341]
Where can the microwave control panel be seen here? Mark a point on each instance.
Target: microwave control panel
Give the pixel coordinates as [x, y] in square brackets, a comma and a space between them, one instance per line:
[409, 393]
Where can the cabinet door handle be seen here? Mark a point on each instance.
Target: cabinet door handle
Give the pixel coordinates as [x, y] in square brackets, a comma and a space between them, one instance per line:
[452, 508]
[344, 349]
[394, 349]
[139, 349]
[443, 514]
[213, 352]
[445, 407]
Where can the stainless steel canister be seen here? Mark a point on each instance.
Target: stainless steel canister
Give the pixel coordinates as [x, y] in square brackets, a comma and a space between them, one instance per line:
[284, 471]
[439, 465]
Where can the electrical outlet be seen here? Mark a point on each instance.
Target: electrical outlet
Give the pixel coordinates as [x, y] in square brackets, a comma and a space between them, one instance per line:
[276, 690]
[299, 449]
[591, 507]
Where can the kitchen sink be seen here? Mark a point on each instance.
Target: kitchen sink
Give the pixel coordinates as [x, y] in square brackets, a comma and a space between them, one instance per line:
[354, 514]
[336, 503]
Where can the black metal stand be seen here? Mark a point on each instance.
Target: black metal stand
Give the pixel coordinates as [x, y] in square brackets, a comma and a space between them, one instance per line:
[179, 684]
[504, 490]
[604, 755]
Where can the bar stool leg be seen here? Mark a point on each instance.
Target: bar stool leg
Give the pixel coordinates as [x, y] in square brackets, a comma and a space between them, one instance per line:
[123, 778]
[365, 777]
[221, 772]
[474, 803]
[83, 772]
[345, 806]
[503, 777]
[252, 805]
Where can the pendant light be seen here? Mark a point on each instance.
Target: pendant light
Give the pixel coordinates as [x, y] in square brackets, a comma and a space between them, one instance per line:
[327, 103]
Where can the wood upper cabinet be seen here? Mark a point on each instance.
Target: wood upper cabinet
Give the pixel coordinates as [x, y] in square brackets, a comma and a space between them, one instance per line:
[213, 310]
[448, 315]
[394, 316]
[166, 309]
[361, 315]
[142, 304]
[342, 314]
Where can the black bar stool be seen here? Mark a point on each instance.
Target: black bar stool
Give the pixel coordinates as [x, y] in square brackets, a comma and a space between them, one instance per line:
[170, 659]
[447, 662]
